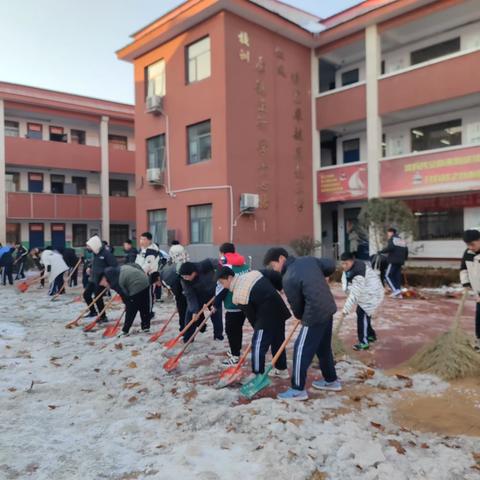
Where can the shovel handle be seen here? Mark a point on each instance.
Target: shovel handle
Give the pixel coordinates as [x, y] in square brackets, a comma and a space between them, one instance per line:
[285, 343]
[192, 338]
[94, 301]
[106, 306]
[157, 335]
[66, 280]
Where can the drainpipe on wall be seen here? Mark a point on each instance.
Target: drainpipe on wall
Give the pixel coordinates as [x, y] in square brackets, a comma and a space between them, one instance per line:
[3, 203]
[104, 179]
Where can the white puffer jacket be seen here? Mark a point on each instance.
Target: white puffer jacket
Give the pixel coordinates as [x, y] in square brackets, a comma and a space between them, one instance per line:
[55, 261]
[364, 288]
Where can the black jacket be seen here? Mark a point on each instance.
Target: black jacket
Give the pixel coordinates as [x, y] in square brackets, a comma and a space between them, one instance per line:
[202, 288]
[70, 257]
[172, 279]
[103, 259]
[21, 255]
[266, 308]
[131, 255]
[307, 290]
[6, 260]
[397, 250]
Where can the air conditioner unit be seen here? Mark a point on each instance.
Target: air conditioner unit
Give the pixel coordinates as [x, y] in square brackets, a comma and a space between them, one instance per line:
[154, 104]
[249, 202]
[156, 176]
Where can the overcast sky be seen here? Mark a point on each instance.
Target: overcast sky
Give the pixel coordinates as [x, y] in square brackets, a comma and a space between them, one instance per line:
[69, 45]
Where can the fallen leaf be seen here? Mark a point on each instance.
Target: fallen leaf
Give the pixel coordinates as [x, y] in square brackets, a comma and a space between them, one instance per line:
[408, 381]
[424, 446]
[52, 407]
[76, 357]
[190, 395]
[119, 346]
[476, 456]
[8, 347]
[378, 426]
[259, 447]
[296, 421]
[135, 353]
[132, 365]
[160, 446]
[91, 342]
[397, 446]
[143, 391]
[366, 374]
[132, 399]
[96, 370]
[131, 385]
[154, 416]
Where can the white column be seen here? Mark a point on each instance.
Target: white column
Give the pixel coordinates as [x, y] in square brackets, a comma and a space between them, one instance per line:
[374, 122]
[3, 198]
[317, 209]
[104, 179]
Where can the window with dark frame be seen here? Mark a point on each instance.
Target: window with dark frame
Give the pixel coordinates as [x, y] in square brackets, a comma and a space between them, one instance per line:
[80, 185]
[155, 79]
[201, 223]
[199, 142]
[198, 59]
[435, 51]
[35, 182]
[118, 187]
[12, 128]
[13, 233]
[437, 135]
[351, 150]
[118, 142]
[441, 225]
[79, 234]
[350, 77]
[157, 225]
[35, 131]
[118, 234]
[57, 183]
[156, 152]
[57, 134]
[78, 136]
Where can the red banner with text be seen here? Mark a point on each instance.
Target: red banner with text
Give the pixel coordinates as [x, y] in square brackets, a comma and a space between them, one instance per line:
[345, 182]
[439, 172]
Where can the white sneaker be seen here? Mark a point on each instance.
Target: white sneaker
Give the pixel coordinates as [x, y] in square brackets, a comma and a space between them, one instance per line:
[275, 372]
[123, 334]
[231, 360]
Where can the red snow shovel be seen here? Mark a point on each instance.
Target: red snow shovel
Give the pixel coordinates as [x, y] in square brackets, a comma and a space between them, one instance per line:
[24, 286]
[157, 335]
[172, 363]
[93, 324]
[171, 343]
[74, 323]
[112, 330]
[233, 374]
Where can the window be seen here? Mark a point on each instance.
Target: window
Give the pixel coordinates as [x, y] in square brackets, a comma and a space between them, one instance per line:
[384, 145]
[438, 135]
[326, 75]
[35, 182]
[198, 60]
[201, 224]
[80, 185]
[118, 188]
[78, 136]
[435, 51]
[157, 225]
[11, 128]
[351, 150]
[118, 142]
[34, 130]
[441, 225]
[155, 79]
[12, 181]
[350, 77]
[57, 183]
[199, 142]
[57, 134]
[328, 148]
[79, 235]
[13, 233]
[156, 152]
[382, 68]
[118, 234]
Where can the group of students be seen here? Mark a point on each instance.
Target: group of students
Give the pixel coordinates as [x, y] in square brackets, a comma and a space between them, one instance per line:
[12, 258]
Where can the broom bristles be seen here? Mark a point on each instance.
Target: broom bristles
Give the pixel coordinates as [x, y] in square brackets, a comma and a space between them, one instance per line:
[450, 356]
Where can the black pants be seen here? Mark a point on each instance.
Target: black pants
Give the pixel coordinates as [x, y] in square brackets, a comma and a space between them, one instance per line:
[56, 285]
[477, 321]
[216, 319]
[91, 291]
[393, 276]
[7, 274]
[73, 282]
[20, 270]
[158, 292]
[311, 341]
[181, 303]
[364, 326]
[234, 329]
[262, 340]
[140, 302]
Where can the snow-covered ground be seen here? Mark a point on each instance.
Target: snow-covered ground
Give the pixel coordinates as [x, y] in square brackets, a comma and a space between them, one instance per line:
[74, 405]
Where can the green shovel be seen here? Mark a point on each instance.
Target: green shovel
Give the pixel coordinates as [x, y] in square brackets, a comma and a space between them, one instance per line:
[262, 380]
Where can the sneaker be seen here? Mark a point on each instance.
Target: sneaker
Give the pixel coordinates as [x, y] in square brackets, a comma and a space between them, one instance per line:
[361, 346]
[102, 320]
[477, 345]
[293, 394]
[90, 315]
[335, 386]
[372, 339]
[248, 378]
[146, 330]
[123, 334]
[231, 360]
[275, 372]
[396, 295]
